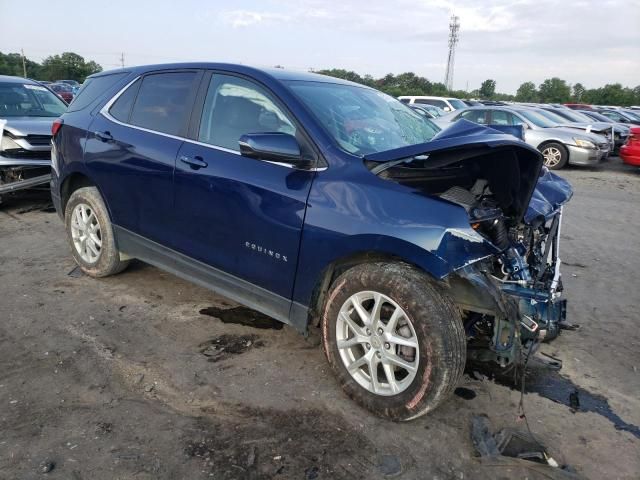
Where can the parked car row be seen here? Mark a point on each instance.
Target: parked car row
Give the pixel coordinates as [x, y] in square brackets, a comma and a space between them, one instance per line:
[65, 89]
[563, 135]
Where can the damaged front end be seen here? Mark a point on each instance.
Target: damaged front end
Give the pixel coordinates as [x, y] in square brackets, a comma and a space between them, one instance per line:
[511, 297]
[25, 154]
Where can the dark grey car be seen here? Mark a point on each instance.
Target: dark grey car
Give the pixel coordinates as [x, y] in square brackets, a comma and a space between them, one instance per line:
[27, 111]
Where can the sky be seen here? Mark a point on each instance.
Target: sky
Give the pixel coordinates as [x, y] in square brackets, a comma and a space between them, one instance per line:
[591, 42]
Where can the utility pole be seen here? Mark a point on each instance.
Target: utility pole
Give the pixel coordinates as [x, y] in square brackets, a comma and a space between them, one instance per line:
[122, 59]
[454, 27]
[24, 64]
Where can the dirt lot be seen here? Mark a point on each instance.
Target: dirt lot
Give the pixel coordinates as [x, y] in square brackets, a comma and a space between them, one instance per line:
[125, 378]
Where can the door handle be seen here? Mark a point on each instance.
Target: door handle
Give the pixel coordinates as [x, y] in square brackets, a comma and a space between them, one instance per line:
[195, 163]
[104, 136]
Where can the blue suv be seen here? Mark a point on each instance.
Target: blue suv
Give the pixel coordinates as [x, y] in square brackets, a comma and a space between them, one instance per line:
[321, 203]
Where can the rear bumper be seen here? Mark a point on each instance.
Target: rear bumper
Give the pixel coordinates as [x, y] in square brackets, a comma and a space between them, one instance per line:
[586, 156]
[630, 156]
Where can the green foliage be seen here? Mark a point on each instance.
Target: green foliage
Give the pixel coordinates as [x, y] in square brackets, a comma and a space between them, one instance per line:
[488, 89]
[527, 92]
[613, 94]
[11, 64]
[554, 90]
[578, 92]
[68, 66]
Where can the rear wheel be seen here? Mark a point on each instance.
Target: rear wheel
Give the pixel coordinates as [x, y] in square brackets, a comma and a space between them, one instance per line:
[555, 155]
[90, 234]
[396, 345]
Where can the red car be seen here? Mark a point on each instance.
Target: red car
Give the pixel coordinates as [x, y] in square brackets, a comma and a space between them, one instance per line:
[578, 106]
[630, 151]
[63, 90]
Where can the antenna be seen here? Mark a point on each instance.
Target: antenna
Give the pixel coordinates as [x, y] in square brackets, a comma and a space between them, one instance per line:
[454, 27]
[122, 59]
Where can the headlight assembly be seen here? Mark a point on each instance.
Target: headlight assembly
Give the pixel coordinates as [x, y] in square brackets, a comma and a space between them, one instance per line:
[584, 143]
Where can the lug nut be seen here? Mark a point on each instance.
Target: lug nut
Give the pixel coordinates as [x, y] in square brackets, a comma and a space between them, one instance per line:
[387, 346]
[378, 354]
[380, 331]
[368, 346]
[368, 331]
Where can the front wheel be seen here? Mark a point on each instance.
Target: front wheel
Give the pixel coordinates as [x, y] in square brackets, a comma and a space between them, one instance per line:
[395, 343]
[555, 155]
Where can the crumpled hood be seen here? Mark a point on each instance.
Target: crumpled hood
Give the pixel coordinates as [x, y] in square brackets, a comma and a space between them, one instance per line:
[461, 133]
[510, 166]
[552, 191]
[23, 126]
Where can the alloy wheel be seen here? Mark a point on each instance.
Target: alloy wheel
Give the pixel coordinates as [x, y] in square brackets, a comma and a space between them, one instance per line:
[552, 156]
[377, 342]
[85, 233]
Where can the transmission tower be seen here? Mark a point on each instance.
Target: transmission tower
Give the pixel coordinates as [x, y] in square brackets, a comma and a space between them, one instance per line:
[454, 27]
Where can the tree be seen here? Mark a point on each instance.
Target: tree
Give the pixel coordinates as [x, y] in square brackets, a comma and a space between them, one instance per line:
[554, 90]
[578, 92]
[69, 66]
[527, 92]
[488, 89]
[11, 64]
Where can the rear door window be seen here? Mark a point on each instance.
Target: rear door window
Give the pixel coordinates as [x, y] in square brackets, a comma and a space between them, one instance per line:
[500, 117]
[92, 88]
[476, 116]
[164, 102]
[235, 106]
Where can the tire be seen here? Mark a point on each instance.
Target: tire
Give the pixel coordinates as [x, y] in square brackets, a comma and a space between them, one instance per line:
[104, 258]
[555, 155]
[434, 325]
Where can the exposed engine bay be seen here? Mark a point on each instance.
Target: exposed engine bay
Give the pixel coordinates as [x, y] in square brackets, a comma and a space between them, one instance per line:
[511, 299]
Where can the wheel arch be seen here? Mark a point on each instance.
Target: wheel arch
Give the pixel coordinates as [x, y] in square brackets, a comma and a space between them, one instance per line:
[338, 266]
[72, 182]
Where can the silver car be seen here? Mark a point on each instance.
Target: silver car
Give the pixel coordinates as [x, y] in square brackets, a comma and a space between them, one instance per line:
[559, 145]
[27, 112]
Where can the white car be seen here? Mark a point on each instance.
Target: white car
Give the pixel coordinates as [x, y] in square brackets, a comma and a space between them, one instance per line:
[445, 103]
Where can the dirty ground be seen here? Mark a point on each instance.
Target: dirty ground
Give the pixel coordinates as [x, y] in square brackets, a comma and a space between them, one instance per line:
[144, 376]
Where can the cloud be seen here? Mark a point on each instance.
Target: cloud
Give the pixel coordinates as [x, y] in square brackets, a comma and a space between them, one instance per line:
[503, 39]
[247, 18]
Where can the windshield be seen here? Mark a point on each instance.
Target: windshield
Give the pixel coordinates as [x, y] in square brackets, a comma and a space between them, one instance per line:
[555, 118]
[575, 116]
[598, 117]
[537, 119]
[29, 100]
[457, 104]
[361, 120]
[631, 115]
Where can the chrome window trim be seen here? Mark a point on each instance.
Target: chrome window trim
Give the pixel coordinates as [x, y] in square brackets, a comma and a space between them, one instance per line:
[104, 111]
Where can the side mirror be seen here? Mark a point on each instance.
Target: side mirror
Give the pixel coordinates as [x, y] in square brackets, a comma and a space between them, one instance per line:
[446, 109]
[273, 147]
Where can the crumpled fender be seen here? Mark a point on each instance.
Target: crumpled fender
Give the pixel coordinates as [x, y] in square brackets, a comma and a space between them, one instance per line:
[552, 191]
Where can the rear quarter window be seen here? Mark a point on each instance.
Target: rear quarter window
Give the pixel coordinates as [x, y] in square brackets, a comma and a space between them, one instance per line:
[121, 108]
[93, 88]
[163, 102]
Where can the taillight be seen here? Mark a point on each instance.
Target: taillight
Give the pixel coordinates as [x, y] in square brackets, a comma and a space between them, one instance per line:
[57, 123]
